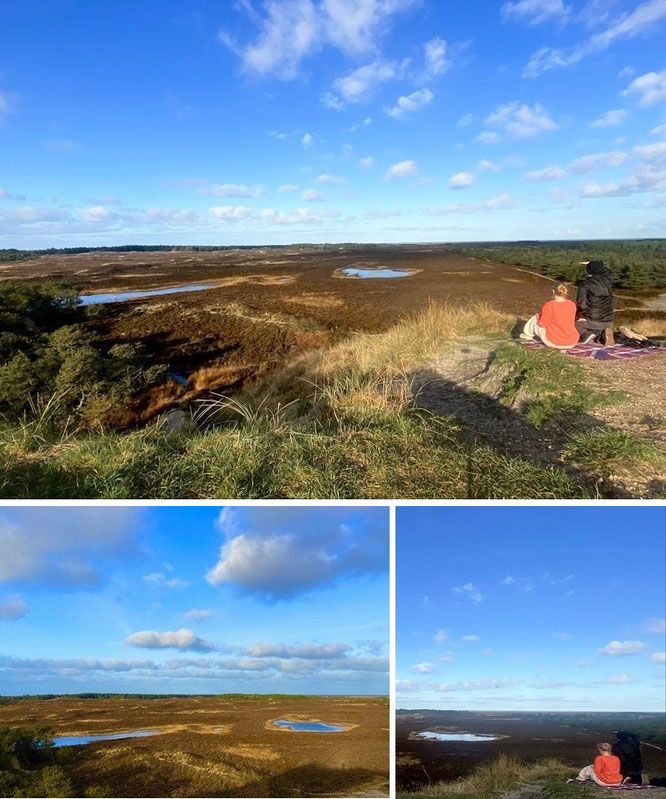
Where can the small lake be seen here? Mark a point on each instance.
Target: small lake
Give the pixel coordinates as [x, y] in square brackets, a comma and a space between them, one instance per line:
[354, 271]
[307, 726]
[81, 740]
[123, 296]
[455, 736]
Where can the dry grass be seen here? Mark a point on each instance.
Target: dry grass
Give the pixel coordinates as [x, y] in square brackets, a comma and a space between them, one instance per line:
[499, 776]
[650, 326]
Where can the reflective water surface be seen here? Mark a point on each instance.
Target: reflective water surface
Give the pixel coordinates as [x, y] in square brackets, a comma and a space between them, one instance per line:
[355, 271]
[454, 736]
[80, 740]
[307, 726]
[122, 296]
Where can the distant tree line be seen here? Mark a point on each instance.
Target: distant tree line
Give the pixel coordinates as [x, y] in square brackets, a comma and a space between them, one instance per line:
[635, 264]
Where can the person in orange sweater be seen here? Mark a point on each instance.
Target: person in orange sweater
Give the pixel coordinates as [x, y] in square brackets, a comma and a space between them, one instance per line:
[606, 768]
[556, 324]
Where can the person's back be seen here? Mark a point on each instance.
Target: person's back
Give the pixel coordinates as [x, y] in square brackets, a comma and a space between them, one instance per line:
[607, 769]
[595, 298]
[628, 751]
[558, 318]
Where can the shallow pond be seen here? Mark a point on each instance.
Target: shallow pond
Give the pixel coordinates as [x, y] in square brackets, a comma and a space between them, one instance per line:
[123, 296]
[307, 726]
[80, 740]
[355, 271]
[455, 736]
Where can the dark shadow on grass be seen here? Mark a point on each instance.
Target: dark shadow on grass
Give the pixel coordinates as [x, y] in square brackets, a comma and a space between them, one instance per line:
[310, 779]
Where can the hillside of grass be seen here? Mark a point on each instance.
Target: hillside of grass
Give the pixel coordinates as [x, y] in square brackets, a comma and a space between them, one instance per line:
[353, 422]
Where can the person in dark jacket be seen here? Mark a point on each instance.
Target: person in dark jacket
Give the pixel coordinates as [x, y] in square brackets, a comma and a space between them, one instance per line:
[628, 750]
[595, 302]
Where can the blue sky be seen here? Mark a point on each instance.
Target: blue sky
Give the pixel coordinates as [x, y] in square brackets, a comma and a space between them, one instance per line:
[194, 600]
[531, 608]
[193, 121]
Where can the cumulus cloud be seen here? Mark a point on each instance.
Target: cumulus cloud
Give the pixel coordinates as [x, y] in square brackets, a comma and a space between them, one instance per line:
[183, 639]
[461, 180]
[436, 61]
[330, 100]
[312, 196]
[468, 590]
[655, 626]
[553, 172]
[622, 648]
[610, 119]
[160, 580]
[401, 170]
[484, 165]
[233, 212]
[288, 188]
[471, 638]
[424, 668]
[302, 651]
[367, 162]
[332, 180]
[13, 608]
[645, 18]
[517, 120]
[280, 553]
[277, 134]
[62, 546]
[620, 679]
[95, 213]
[536, 11]
[650, 88]
[407, 104]
[473, 685]
[441, 636]
[488, 137]
[658, 657]
[508, 580]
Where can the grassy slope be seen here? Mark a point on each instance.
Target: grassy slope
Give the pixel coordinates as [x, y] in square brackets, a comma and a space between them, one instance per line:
[334, 424]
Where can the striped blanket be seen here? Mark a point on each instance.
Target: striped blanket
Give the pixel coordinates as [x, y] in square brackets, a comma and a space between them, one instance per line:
[599, 352]
[628, 787]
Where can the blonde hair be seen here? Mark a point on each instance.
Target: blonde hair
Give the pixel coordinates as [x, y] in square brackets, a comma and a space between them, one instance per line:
[605, 748]
[560, 290]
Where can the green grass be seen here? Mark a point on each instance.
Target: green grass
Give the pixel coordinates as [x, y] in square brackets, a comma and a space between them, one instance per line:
[550, 386]
[606, 450]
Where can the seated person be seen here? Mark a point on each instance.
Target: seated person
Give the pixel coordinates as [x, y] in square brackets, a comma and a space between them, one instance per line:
[595, 301]
[628, 751]
[556, 324]
[606, 768]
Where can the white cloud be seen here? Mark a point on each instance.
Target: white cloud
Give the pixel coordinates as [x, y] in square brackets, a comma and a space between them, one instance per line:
[643, 19]
[162, 581]
[651, 88]
[296, 217]
[330, 100]
[620, 679]
[656, 626]
[367, 162]
[407, 104]
[354, 26]
[403, 169]
[358, 85]
[423, 668]
[508, 580]
[230, 212]
[553, 172]
[536, 11]
[279, 553]
[647, 178]
[461, 180]
[307, 139]
[471, 638]
[436, 62]
[488, 137]
[332, 180]
[520, 121]
[622, 648]
[587, 163]
[610, 119]
[198, 614]
[469, 591]
[652, 153]
[64, 546]
[13, 608]
[658, 657]
[500, 202]
[94, 213]
[288, 188]
[484, 165]
[465, 120]
[233, 190]
[303, 651]
[441, 636]
[473, 685]
[312, 196]
[276, 134]
[183, 639]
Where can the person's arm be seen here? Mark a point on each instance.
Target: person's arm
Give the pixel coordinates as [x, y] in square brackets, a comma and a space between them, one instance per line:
[581, 299]
[546, 315]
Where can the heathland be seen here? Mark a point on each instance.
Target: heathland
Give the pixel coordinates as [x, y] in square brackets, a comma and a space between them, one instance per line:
[532, 755]
[276, 375]
[199, 746]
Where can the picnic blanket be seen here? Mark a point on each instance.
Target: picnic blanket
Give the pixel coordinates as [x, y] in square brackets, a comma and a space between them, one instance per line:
[628, 787]
[599, 352]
